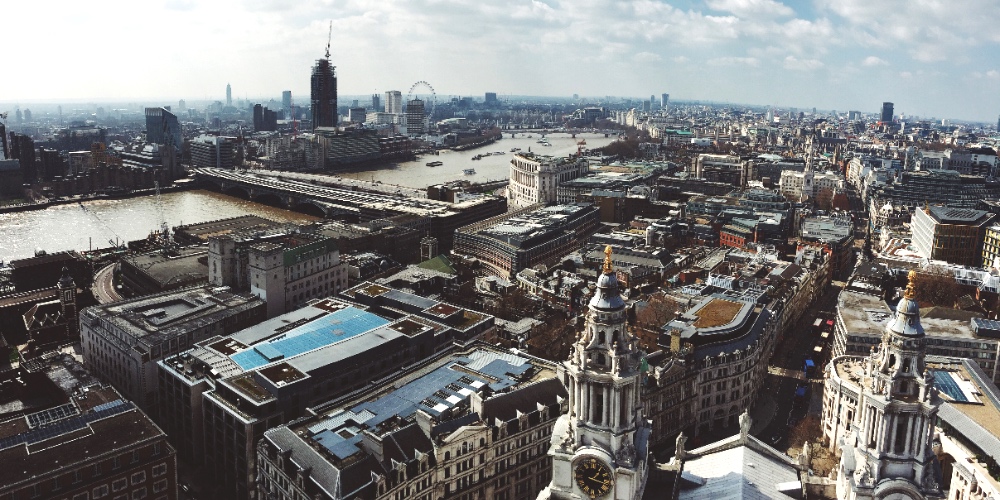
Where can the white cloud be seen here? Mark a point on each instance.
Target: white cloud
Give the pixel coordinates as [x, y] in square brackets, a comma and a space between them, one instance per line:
[874, 61]
[906, 74]
[646, 57]
[751, 8]
[796, 64]
[679, 59]
[994, 74]
[733, 61]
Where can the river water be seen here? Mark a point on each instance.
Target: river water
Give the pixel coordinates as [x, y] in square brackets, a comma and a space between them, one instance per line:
[77, 226]
[91, 224]
[417, 174]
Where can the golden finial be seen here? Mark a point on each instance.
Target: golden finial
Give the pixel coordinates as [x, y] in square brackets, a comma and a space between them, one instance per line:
[912, 277]
[607, 259]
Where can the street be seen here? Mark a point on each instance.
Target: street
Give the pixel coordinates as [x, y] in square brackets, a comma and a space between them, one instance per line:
[776, 404]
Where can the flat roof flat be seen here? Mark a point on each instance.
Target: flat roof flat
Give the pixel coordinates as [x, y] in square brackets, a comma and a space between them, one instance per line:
[329, 329]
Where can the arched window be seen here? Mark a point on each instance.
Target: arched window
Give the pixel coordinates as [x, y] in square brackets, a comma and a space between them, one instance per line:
[601, 338]
[906, 365]
[614, 337]
[600, 359]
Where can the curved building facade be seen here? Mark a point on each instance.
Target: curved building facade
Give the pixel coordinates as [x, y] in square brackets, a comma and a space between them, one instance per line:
[534, 177]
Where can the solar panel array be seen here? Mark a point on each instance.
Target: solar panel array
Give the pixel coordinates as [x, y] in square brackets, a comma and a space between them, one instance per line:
[51, 415]
[66, 425]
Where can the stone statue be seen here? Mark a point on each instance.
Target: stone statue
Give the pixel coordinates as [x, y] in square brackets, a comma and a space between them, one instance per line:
[745, 421]
[626, 455]
[929, 481]
[679, 449]
[863, 474]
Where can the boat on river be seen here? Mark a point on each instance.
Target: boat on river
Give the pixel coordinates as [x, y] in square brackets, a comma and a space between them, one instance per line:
[469, 171]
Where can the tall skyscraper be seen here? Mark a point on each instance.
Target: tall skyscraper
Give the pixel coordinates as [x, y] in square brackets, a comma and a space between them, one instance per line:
[324, 93]
[376, 102]
[286, 102]
[415, 117]
[162, 127]
[4, 152]
[258, 117]
[491, 98]
[652, 100]
[394, 102]
[886, 112]
[229, 95]
[22, 149]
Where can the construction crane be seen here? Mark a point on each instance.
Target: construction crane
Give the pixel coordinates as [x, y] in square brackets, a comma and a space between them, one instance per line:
[329, 37]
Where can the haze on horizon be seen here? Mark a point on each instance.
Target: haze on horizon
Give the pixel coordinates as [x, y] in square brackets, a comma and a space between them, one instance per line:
[931, 58]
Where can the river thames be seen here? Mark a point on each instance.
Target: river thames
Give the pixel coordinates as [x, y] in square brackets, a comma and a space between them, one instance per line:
[91, 224]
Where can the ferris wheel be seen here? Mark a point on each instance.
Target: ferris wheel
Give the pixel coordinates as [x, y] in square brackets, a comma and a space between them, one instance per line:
[423, 91]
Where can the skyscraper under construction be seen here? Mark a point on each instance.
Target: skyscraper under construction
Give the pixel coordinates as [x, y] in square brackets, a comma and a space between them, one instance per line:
[324, 93]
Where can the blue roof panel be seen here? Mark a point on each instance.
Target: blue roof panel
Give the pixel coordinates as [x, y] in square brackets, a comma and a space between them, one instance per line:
[946, 384]
[329, 329]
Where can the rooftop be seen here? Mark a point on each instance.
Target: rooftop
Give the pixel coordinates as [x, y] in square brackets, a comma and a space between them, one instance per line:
[325, 330]
[92, 424]
[168, 314]
[960, 216]
[436, 389]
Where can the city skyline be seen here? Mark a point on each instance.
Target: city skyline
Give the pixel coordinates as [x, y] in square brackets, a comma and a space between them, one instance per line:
[930, 59]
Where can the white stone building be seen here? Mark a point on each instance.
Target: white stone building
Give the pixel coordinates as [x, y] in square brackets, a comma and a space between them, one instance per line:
[534, 177]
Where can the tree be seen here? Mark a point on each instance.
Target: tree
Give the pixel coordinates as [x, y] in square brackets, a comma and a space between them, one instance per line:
[651, 315]
[936, 286]
[552, 340]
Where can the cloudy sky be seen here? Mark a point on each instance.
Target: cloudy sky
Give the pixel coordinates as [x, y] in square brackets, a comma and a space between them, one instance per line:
[936, 58]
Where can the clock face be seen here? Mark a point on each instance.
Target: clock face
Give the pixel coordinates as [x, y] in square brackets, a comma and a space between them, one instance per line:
[593, 477]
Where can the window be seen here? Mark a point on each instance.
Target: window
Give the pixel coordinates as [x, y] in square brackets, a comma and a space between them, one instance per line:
[100, 491]
[116, 463]
[119, 484]
[81, 496]
[139, 493]
[160, 485]
[138, 477]
[159, 470]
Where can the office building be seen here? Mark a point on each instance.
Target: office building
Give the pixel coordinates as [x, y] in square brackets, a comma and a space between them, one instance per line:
[886, 115]
[122, 341]
[490, 99]
[862, 312]
[664, 100]
[324, 93]
[162, 127]
[289, 270]
[219, 397]
[229, 95]
[394, 102]
[473, 423]
[96, 445]
[415, 120]
[524, 238]
[213, 151]
[954, 235]
[991, 247]
[4, 150]
[22, 149]
[835, 236]
[536, 178]
[286, 103]
[356, 115]
[376, 102]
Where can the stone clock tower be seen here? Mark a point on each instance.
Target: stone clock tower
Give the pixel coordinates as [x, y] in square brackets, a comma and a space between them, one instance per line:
[599, 448]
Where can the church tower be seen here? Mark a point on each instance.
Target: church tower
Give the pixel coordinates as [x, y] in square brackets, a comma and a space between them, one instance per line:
[599, 448]
[808, 189]
[67, 303]
[888, 453]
